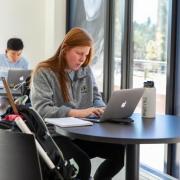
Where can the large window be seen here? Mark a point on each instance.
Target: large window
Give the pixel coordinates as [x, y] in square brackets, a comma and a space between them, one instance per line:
[117, 39]
[148, 39]
[90, 14]
[150, 46]
[150, 35]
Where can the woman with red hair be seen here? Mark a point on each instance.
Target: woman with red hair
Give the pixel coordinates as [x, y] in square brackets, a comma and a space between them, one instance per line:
[64, 86]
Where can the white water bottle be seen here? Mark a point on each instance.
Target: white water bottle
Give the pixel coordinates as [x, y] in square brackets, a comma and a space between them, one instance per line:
[149, 100]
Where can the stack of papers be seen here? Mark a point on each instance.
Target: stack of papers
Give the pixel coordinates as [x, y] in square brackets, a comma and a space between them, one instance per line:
[68, 122]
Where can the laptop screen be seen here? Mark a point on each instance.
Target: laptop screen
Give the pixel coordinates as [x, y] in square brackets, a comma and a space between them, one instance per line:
[17, 76]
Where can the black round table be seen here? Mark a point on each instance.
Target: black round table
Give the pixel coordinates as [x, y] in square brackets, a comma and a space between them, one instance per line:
[162, 129]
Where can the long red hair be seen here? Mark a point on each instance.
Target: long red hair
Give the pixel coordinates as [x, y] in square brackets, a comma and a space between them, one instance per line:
[57, 63]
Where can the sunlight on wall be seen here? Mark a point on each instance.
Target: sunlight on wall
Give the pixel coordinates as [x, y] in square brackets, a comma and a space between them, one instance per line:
[40, 24]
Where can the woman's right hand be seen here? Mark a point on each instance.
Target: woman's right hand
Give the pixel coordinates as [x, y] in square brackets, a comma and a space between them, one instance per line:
[82, 113]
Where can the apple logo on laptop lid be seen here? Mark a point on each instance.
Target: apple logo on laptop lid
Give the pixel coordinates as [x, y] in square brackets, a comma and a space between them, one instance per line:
[123, 104]
[21, 78]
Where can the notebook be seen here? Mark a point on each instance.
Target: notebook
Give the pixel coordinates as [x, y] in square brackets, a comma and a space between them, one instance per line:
[121, 106]
[68, 122]
[17, 76]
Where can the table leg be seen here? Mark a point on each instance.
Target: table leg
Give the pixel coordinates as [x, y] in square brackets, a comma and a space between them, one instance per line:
[132, 162]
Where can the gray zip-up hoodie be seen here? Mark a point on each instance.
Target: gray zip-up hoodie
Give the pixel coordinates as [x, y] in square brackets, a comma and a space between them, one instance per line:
[46, 96]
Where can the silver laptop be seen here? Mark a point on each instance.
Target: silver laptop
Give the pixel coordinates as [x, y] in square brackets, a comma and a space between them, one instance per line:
[121, 106]
[16, 77]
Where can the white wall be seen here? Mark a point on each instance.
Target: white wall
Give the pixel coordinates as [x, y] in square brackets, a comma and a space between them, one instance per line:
[40, 24]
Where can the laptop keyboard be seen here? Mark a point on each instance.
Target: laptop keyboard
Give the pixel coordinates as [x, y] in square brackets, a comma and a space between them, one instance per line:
[92, 117]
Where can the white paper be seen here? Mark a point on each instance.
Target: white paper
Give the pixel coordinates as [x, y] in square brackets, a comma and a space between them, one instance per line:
[68, 122]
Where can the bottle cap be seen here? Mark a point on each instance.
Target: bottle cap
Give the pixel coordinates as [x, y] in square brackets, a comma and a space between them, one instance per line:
[149, 84]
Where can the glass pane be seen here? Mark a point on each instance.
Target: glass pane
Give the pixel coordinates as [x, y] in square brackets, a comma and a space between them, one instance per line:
[90, 14]
[118, 23]
[150, 20]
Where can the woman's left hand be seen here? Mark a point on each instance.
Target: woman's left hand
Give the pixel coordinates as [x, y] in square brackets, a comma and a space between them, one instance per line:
[98, 111]
[81, 113]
